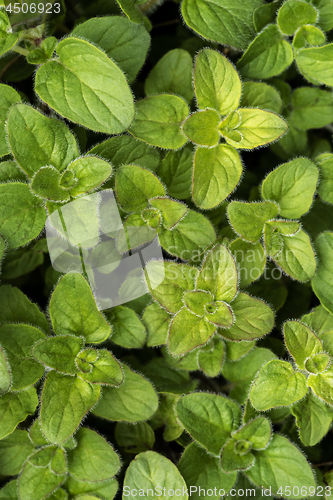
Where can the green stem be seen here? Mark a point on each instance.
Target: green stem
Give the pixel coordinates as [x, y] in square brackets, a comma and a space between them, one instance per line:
[20, 50]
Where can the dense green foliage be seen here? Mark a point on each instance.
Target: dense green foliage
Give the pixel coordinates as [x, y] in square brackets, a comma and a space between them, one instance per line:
[208, 123]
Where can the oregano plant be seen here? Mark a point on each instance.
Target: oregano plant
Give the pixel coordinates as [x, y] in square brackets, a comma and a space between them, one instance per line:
[166, 249]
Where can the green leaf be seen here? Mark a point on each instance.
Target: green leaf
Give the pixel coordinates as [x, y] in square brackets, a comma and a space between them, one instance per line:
[197, 301]
[319, 320]
[326, 178]
[74, 86]
[135, 400]
[37, 141]
[236, 350]
[156, 320]
[9, 96]
[268, 55]
[10, 171]
[216, 173]
[253, 128]
[88, 490]
[248, 219]
[301, 342]
[261, 95]
[134, 187]
[292, 185]
[223, 21]
[253, 318]
[281, 465]
[17, 341]
[202, 470]
[99, 367]
[209, 419]
[46, 184]
[92, 458]
[59, 352]
[89, 173]
[325, 8]
[65, 401]
[277, 385]
[128, 330]
[131, 11]
[21, 261]
[219, 313]
[293, 14]
[9, 491]
[151, 470]
[158, 121]
[41, 476]
[312, 108]
[188, 331]
[177, 278]
[211, 357]
[190, 238]
[166, 379]
[166, 417]
[22, 215]
[17, 308]
[202, 127]
[135, 438]
[321, 283]
[73, 310]
[125, 42]
[171, 75]
[313, 419]
[216, 82]
[36, 435]
[5, 376]
[126, 150]
[297, 257]
[172, 211]
[218, 274]
[15, 407]
[14, 450]
[264, 15]
[8, 42]
[175, 172]
[316, 64]
[322, 385]
[250, 260]
[308, 35]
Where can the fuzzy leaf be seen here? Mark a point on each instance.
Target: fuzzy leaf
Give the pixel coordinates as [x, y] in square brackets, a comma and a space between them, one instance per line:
[99, 367]
[150, 470]
[15, 407]
[312, 108]
[301, 342]
[171, 75]
[261, 95]
[209, 419]
[253, 318]
[135, 400]
[22, 215]
[158, 121]
[202, 127]
[128, 330]
[293, 14]
[218, 274]
[316, 64]
[59, 352]
[313, 419]
[321, 283]
[14, 450]
[37, 141]
[325, 188]
[176, 172]
[253, 128]
[211, 357]
[46, 184]
[83, 97]
[172, 211]
[292, 185]
[124, 41]
[17, 341]
[198, 468]
[166, 379]
[268, 55]
[248, 219]
[281, 465]
[65, 401]
[177, 279]
[322, 385]
[73, 310]
[277, 385]
[223, 21]
[89, 172]
[250, 260]
[134, 187]
[188, 331]
[9, 96]
[135, 438]
[156, 320]
[216, 82]
[93, 457]
[216, 173]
